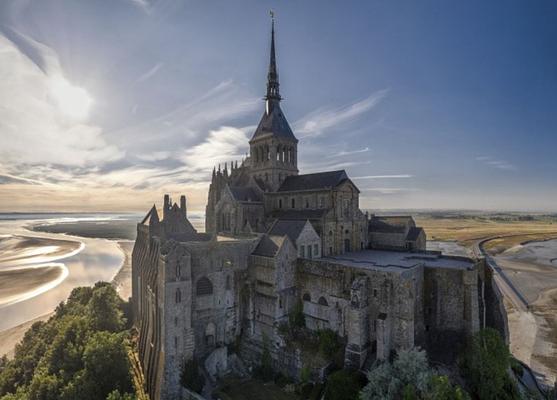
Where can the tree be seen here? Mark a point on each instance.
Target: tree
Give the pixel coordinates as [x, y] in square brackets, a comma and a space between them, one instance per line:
[485, 365]
[190, 377]
[440, 388]
[104, 310]
[106, 364]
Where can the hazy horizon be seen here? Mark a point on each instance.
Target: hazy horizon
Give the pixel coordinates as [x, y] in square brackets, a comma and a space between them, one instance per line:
[107, 105]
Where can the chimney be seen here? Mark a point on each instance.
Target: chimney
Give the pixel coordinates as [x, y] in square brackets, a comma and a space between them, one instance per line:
[183, 205]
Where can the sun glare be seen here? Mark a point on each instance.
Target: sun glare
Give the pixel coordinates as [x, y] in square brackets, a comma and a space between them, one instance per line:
[74, 102]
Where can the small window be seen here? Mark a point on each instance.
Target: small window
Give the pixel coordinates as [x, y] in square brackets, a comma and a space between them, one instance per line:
[316, 250]
[331, 233]
[306, 297]
[302, 251]
[322, 202]
[374, 292]
[227, 282]
[204, 286]
[330, 250]
[178, 271]
[309, 251]
[293, 203]
[323, 301]
[280, 203]
[307, 203]
[178, 296]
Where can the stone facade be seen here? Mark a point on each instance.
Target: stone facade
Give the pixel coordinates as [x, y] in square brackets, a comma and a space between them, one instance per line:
[275, 239]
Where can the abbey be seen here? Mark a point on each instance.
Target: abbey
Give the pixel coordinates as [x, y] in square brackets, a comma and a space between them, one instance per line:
[279, 242]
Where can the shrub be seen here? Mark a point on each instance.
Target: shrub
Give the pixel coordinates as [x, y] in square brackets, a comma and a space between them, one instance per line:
[343, 385]
[328, 342]
[296, 318]
[190, 377]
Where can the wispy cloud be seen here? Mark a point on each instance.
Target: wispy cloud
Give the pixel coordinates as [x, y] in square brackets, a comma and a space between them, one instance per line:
[319, 121]
[348, 153]
[400, 176]
[388, 190]
[151, 72]
[496, 163]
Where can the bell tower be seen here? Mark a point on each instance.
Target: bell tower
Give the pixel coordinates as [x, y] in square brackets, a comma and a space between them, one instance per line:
[273, 146]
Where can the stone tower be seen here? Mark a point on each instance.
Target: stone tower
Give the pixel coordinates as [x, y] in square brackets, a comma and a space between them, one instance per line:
[273, 147]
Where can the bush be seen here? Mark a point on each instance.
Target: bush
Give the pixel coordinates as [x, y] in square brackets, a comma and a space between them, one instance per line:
[409, 377]
[329, 343]
[296, 318]
[343, 385]
[190, 377]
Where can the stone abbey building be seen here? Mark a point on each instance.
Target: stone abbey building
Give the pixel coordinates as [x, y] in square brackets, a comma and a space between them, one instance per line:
[276, 239]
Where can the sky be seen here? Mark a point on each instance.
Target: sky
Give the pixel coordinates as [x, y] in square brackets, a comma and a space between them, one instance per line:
[105, 105]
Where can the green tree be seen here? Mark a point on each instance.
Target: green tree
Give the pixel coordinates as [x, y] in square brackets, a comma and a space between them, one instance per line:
[485, 365]
[104, 310]
[296, 318]
[440, 388]
[106, 364]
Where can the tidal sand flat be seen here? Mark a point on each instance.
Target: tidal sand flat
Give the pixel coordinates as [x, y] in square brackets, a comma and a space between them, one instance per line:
[42, 269]
[531, 268]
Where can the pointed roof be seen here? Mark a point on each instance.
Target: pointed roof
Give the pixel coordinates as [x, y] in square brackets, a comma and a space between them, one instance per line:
[292, 229]
[151, 217]
[273, 122]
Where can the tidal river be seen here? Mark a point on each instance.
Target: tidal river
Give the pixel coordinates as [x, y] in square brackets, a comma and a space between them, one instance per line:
[39, 269]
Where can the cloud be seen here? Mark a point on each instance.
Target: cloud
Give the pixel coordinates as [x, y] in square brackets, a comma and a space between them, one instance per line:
[319, 121]
[33, 127]
[385, 190]
[150, 73]
[400, 176]
[495, 163]
[349, 153]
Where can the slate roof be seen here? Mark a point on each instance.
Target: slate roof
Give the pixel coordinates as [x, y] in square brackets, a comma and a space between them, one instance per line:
[152, 215]
[274, 123]
[292, 229]
[320, 180]
[388, 224]
[413, 233]
[300, 214]
[269, 246]
[245, 194]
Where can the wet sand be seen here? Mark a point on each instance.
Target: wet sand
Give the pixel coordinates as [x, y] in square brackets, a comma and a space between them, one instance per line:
[533, 333]
[122, 282]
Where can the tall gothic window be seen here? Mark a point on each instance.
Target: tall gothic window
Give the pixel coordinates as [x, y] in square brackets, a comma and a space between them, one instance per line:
[178, 296]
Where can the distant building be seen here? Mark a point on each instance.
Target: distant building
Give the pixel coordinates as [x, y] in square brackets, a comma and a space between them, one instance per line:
[274, 239]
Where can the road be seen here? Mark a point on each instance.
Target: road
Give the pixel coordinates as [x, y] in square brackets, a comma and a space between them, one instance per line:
[506, 286]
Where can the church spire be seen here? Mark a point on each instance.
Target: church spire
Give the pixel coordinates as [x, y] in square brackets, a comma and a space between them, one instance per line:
[272, 77]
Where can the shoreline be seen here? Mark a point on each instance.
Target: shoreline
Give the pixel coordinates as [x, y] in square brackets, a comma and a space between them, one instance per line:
[121, 281]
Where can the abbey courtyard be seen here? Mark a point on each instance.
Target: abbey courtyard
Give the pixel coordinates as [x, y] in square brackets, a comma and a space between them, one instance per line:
[281, 247]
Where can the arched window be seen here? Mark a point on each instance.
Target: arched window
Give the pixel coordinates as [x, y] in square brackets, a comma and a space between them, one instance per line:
[178, 296]
[227, 282]
[306, 297]
[279, 150]
[331, 233]
[323, 301]
[178, 271]
[204, 287]
[293, 202]
[280, 203]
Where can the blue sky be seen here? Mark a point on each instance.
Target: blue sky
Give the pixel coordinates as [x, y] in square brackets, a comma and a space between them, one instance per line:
[106, 105]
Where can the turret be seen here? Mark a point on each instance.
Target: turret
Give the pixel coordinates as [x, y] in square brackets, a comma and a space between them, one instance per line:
[166, 206]
[183, 205]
